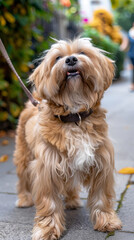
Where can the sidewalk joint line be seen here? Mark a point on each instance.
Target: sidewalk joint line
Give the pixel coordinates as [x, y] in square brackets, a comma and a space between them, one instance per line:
[8, 193]
[24, 224]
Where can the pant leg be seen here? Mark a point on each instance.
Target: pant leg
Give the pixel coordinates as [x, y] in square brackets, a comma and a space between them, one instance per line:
[132, 61]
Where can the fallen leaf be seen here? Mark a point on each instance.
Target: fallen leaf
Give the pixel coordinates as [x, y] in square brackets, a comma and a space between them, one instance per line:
[2, 133]
[5, 142]
[127, 170]
[3, 158]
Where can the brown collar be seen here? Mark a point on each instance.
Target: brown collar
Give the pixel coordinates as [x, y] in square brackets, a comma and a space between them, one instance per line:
[74, 117]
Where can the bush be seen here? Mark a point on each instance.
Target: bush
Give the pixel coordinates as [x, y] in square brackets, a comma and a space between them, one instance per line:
[105, 43]
[124, 18]
[101, 41]
[18, 31]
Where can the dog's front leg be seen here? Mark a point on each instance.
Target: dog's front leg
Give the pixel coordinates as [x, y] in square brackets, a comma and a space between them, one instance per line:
[101, 196]
[47, 186]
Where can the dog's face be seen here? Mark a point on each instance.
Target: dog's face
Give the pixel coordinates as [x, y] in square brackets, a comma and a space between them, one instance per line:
[73, 74]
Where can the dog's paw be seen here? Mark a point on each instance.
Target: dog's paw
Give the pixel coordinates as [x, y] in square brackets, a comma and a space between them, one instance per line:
[73, 204]
[47, 229]
[24, 200]
[107, 222]
[44, 234]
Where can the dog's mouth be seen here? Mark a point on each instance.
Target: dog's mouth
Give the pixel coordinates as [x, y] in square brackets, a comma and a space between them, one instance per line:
[72, 73]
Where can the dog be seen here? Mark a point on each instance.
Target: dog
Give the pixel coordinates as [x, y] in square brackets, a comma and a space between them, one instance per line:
[63, 142]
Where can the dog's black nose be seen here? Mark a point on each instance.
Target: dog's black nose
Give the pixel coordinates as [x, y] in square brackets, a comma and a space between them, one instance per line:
[71, 61]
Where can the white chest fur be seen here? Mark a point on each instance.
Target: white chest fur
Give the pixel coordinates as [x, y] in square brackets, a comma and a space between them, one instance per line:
[80, 149]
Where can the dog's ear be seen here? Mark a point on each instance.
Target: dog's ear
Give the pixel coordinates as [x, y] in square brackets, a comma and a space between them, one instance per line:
[38, 78]
[108, 71]
[40, 69]
[38, 74]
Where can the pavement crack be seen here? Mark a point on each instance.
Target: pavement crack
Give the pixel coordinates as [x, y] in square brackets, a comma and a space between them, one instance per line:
[120, 203]
[123, 194]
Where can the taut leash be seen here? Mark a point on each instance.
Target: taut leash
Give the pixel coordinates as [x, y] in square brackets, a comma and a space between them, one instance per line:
[5, 55]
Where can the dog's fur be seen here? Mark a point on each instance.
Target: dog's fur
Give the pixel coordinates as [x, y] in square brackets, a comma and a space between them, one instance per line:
[53, 158]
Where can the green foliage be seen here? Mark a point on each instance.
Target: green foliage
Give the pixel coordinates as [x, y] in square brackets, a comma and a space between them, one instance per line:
[119, 60]
[124, 18]
[127, 4]
[20, 26]
[101, 41]
[105, 43]
[71, 11]
[124, 13]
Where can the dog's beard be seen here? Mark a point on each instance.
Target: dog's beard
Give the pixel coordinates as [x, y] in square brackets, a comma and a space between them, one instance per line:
[73, 95]
[72, 90]
[69, 87]
[74, 84]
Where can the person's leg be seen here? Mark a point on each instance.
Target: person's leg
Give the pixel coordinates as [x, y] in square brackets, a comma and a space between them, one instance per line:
[133, 76]
[132, 81]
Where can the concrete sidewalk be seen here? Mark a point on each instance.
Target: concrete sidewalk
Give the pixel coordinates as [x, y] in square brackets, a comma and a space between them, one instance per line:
[16, 224]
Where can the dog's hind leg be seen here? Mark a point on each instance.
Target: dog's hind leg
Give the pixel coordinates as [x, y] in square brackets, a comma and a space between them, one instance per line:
[22, 156]
[24, 195]
[23, 185]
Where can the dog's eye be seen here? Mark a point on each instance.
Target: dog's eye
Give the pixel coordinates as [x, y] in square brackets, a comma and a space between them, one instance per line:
[58, 58]
[82, 53]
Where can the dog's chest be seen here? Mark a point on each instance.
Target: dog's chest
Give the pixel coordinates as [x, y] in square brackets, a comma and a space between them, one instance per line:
[80, 150]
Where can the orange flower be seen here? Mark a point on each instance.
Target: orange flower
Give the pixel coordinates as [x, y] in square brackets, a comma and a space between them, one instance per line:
[65, 3]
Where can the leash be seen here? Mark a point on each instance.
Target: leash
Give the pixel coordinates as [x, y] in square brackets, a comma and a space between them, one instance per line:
[27, 92]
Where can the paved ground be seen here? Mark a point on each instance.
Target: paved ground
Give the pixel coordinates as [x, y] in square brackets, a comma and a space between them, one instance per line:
[16, 224]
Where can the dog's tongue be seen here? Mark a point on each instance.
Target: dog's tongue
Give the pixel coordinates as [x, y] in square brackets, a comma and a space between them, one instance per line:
[72, 73]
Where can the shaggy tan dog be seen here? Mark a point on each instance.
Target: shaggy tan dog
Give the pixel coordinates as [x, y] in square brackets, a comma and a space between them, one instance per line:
[63, 142]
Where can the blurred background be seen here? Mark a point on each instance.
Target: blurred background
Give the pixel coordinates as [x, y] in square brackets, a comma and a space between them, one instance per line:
[26, 27]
